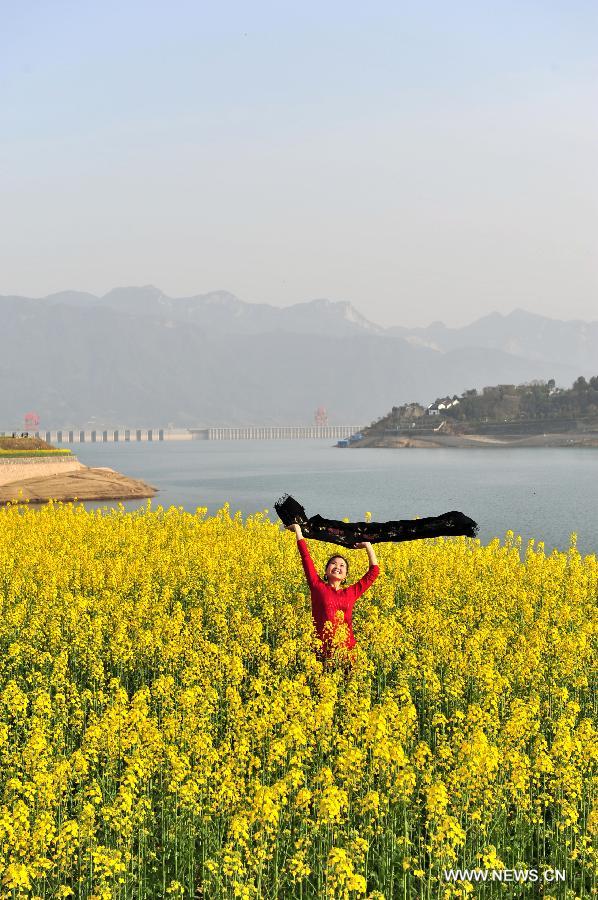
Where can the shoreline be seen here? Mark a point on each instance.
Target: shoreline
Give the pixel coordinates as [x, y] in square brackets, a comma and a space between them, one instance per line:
[478, 441]
[78, 483]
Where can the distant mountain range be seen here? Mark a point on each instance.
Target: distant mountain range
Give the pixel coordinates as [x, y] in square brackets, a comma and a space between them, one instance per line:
[519, 333]
[221, 313]
[138, 357]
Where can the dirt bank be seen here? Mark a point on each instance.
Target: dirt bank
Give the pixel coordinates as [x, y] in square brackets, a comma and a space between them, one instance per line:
[26, 468]
[397, 443]
[82, 483]
[479, 441]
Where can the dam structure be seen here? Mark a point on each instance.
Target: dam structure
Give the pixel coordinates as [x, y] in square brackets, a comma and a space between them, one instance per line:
[104, 435]
[201, 433]
[272, 432]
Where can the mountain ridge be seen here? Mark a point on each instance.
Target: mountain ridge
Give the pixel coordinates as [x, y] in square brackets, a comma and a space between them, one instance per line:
[215, 359]
[125, 293]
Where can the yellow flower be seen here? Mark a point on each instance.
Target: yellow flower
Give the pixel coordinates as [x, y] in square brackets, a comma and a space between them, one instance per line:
[160, 685]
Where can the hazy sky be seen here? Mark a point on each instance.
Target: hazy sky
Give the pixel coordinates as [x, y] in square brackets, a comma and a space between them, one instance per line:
[424, 160]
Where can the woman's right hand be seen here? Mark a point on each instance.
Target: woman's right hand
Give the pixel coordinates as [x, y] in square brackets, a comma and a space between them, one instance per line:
[297, 529]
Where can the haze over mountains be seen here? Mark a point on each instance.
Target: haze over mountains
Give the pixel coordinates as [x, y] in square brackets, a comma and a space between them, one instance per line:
[137, 357]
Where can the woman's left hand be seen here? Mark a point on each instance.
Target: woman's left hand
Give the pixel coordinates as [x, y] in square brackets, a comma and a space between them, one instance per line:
[363, 545]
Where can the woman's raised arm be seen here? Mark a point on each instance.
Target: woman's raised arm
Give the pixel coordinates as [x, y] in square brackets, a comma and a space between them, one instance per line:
[365, 545]
[372, 573]
[308, 567]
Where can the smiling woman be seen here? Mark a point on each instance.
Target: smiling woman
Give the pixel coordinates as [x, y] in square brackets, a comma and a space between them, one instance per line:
[336, 566]
[331, 603]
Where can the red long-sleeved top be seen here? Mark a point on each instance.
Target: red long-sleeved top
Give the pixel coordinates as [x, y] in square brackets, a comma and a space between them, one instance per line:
[326, 602]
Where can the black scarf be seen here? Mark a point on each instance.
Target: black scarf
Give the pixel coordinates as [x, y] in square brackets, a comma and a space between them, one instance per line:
[347, 534]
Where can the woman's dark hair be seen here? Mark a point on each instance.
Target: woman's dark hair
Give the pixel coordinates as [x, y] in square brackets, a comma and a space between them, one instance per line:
[336, 556]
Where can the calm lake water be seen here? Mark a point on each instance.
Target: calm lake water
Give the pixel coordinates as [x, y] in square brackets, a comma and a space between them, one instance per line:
[538, 493]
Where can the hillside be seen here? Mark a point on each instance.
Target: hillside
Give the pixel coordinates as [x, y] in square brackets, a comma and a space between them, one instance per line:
[504, 413]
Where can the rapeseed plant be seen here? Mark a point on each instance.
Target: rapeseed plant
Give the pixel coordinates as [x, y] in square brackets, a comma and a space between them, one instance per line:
[167, 731]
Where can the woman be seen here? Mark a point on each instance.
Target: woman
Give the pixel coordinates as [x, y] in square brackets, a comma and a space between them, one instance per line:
[329, 598]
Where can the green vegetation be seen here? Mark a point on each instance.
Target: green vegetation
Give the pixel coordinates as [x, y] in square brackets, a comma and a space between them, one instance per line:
[16, 454]
[23, 443]
[537, 400]
[524, 404]
[15, 447]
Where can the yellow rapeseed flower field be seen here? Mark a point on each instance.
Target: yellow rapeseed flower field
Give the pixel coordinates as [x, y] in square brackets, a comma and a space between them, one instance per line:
[166, 730]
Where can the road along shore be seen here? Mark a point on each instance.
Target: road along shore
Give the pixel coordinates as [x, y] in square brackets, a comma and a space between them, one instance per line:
[38, 480]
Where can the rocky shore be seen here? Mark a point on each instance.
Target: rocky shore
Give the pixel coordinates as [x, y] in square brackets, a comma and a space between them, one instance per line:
[32, 471]
[29, 482]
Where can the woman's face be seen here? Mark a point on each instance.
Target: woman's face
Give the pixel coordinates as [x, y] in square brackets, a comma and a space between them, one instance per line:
[336, 570]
